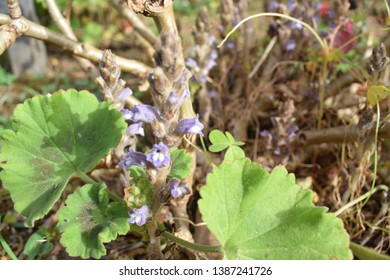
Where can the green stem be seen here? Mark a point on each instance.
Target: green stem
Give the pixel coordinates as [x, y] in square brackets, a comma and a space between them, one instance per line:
[206, 153]
[86, 178]
[114, 197]
[360, 198]
[387, 8]
[193, 246]
[7, 249]
[364, 253]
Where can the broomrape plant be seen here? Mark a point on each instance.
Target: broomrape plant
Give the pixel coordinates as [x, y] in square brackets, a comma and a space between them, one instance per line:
[253, 213]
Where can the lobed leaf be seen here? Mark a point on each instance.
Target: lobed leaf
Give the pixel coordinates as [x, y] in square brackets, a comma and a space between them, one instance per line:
[181, 164]
[55, 138]
[257, 215]
[88, 220]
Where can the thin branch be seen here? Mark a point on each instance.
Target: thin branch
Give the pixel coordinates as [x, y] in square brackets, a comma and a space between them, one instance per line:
[14, 28]
[66, 29]
[340, 134]
[40, 32]
[138, 25]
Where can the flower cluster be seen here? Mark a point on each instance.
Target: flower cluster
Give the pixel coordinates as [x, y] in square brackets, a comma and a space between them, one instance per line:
[281, 138]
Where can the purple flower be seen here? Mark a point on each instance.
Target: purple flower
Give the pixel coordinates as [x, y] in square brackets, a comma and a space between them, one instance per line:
[212, 57]
[139, 215]
[126, 92]
[273, 6]
[290, 45]
[190, 62]
[133, 158]
[135, 128]
[159, 156]
[143, 113]
[296, 25]
[177, 188]
[174, 101]
[230, 45]
[189, 126]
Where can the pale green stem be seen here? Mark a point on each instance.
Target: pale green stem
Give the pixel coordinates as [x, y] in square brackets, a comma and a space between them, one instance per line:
[86, 178]
[193, 246]
[387, 8]
[206, 153]
[364, 253]
[360, 198]
[7, 249]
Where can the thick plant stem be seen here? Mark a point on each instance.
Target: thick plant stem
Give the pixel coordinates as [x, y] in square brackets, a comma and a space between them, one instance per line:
[193, 246]
[166, 21]
[154, 243]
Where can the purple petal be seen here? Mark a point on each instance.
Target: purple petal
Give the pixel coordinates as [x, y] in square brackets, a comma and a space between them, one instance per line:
[126, 92]
[135, 129]
[133, 158]
[177, 188]
[159, 156]
[190, 62]
[139, 215]
[143, 113]
[189, 126]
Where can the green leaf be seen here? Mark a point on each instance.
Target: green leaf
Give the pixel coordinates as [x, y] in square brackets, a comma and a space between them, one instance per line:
[377, 93]
[139, 194]
[234, 153]
[36, 246]
[257, 215]
[219, 141]
[181, 164]
[55, 138]
[137, 172]
[88, 220]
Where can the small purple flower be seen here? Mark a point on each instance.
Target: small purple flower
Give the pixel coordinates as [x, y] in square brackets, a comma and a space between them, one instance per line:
[133, 158]
[159, 156]
[189, 126]
[190, 62]
[273, 6]
[126, 92]
[290, 45]
[230, 45]
[212, 57]
[296, 25]
[174, 101]
[143, 113]
[135, 128]
[139, 215]
[177, 188]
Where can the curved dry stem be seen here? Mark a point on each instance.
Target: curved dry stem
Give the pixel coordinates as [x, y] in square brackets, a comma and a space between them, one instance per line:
[322, 43]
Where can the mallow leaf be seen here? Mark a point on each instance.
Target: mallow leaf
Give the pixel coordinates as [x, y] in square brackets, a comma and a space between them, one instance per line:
[88, 220]
[181, 164]
[257, 215]
[55, 138]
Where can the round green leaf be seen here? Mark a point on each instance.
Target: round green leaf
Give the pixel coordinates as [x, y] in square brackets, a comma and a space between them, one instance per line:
[257, 215]
[219, 141]
[55, 138]
[87, 221]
